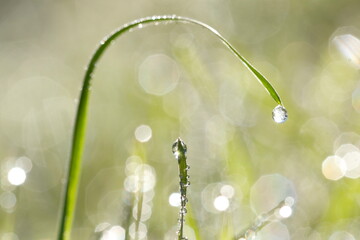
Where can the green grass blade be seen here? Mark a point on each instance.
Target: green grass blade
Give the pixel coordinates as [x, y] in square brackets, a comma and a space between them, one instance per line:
[261, 78]
[74, 169]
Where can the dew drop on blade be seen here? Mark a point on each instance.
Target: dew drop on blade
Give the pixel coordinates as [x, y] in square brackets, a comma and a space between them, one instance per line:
[178, 148]
[279, 114]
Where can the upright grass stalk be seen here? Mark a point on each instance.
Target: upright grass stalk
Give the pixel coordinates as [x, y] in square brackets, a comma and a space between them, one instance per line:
[78, 140]
[179, 150]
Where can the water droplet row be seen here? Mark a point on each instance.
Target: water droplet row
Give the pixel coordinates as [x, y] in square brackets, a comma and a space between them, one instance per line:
[179, 150]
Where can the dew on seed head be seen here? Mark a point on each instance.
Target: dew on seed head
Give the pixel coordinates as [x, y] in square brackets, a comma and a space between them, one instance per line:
[279, 114]
[179, 148]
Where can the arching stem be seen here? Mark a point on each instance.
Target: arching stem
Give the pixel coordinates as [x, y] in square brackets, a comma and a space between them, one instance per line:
[78, 140]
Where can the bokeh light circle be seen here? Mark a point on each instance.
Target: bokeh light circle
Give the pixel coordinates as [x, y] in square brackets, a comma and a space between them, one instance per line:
[269, 191]
[175, 199]
[143, 133]
[16, 176]
[221, 203]
[158, 74]
[114, 233]
[7, 200]
[352, 161]
[218, 197]
[285, 212]
[141, 233]
[333, 168]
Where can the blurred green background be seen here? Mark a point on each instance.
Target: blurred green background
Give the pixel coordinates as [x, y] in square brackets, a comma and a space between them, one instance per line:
[165, 81]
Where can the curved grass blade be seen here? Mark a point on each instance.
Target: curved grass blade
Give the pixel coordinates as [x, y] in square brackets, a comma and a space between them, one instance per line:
[78, 140]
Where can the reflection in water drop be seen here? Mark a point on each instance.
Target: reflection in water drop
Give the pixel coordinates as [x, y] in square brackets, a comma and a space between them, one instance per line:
[279, 114]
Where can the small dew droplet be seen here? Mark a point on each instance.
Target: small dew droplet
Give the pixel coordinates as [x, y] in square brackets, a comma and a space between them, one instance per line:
[279, 114]
[178, 148]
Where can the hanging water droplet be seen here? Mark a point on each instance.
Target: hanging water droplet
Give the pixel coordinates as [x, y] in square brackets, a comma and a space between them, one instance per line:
[279, 114]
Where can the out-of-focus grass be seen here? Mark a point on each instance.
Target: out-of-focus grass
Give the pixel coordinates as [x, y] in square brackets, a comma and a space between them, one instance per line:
[232, 144]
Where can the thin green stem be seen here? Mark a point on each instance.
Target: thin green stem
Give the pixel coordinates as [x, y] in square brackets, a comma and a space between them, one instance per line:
[264, 219]
[78, 140]
[179, 150]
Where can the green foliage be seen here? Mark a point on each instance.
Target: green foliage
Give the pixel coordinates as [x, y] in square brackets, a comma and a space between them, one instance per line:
[74, 170]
